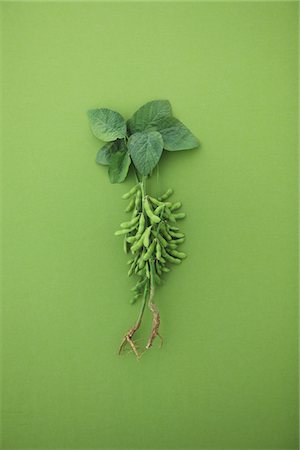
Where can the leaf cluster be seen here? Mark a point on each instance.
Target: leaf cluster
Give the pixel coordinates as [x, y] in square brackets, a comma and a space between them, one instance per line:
[141, 140]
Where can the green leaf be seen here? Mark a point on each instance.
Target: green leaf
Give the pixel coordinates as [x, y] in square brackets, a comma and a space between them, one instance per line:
[119, 166]
[176, 135]
[106, 124]
[145, 149]
[149, 115]
[105, 153]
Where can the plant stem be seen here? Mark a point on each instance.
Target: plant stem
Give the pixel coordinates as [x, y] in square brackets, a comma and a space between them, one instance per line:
[139, 320]
[136, 175]
[143, 187]
[153, 308]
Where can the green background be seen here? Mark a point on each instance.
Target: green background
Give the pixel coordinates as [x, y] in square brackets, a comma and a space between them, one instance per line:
[226, 376]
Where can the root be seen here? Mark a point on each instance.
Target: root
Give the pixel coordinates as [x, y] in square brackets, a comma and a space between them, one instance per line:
[155, 322]
[128, 338]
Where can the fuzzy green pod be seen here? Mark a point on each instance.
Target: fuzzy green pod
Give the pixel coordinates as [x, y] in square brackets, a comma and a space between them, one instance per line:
[163, 252]
[169, 216]
[130, 239]
[139, 285]
[165, 269]
[142, 223]
[165, 233]
[158, 268]
[176, 234]
[158, 209]
[146, 240]
[167, 194]
[131, 269]
[155, 201]
[133, 228]
[180, 255]
[175, 206]
[172, 245]
[150, 250]
[131, 192]
[162, 240]
[180, 240]
[138, 200]
[138, 244]
[172, 260]
[141, 261]
[131, 222]
[173, 228]
[120, 232]
[147, 271]
[153, 218]
[172, 218]
[180, 215]
[158, 250]
[162, 260]
[130, 205]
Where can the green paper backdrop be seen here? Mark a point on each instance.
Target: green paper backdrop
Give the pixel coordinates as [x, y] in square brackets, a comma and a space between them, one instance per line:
[226, 377]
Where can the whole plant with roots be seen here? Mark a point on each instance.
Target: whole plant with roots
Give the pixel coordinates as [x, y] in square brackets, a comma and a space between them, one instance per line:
[151, 236]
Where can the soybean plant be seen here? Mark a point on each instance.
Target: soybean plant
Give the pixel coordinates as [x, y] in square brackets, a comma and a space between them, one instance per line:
[151, 236]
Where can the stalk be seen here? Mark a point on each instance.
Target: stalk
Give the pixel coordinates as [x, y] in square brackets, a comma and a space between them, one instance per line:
[154, 309]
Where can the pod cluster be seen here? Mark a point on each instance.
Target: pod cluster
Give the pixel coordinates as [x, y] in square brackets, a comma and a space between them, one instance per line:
[151, 237]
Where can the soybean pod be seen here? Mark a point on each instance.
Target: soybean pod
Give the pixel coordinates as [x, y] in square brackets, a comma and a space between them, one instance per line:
[146, 240]
[141, 224]
[147, 270]
[159, 209]
[130, 205]
[120, 232]
[131, 222]
[180, 240]
[155, 201]
[158, 268]
[158, 250]
[176, 234]
[165, 233]
[166, 195]
[153, 218]
[138, 200]
[141, 261]
[138, 244]
[150, 250]
[180, 255]
[131, 192]
[180, 215]
[132, 267]
[175, 206]
[172, 260]
[162, 240]
[130, 239]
